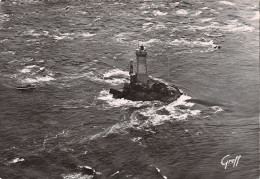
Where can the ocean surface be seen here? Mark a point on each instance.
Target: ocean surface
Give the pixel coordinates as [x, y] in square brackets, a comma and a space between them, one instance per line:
[75, 51]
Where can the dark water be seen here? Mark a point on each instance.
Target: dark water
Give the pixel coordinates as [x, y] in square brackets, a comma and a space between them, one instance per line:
[75, 51]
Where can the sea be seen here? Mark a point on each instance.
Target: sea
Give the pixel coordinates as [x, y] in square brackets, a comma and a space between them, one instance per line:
[74, 51]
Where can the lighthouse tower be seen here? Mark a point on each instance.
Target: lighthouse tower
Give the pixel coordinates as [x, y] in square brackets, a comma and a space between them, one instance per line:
[141, 75]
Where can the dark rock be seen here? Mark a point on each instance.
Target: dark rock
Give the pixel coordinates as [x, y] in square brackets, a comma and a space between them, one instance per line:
[153, 90]
[163, 112]
[116, 93]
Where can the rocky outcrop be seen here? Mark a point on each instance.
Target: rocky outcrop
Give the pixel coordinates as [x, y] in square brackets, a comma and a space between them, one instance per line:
[150, 91]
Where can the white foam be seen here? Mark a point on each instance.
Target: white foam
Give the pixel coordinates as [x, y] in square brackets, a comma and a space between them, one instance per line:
[146, 25]
[116, 128]
[151, 41]
[159, 13]
[256, 16]
[38, 79]
[115, 81]
[152, 119]
[214, 11]
[254, 7]
[237, 28]
[16, 160]
[101, 78]
[144, 6]
[196, 13]
[87, 34]
[182, 100]
[217, 109]
[206, 19]
[160, 80]
[213, 35]
[175, 113]
[181, 12]
[26, 70]
[136, 139]
[45, 78]
[174, 4]
[159, 171]
[227, 3]
[145, 12]
[61, 37]
[32, 33]
[115, 72]
[116, 77]
[77, 176]
[31, 66]
[9, 52]
[160, 25]
[114, 173]
[193, 43]
[122, 37]
[233, 26]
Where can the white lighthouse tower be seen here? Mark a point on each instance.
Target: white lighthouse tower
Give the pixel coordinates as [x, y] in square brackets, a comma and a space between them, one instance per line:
[141, 75]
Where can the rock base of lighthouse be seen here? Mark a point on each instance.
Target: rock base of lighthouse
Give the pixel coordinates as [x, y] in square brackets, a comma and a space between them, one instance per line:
[150, 91]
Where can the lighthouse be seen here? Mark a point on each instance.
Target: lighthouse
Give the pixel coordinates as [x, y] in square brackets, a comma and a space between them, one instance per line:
[141, 75]
[144, 88]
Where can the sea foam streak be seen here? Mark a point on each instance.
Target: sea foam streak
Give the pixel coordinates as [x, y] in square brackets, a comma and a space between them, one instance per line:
[193, 43]
[37, 79]
[86, 34]
[149, 42]
[196, 13]
[227, 3]
[232, 26]
[111, 77]
[159, 13]
[77, 176]
[16, 160]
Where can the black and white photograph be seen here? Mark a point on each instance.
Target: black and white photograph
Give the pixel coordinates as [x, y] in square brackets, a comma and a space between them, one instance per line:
[129, 89]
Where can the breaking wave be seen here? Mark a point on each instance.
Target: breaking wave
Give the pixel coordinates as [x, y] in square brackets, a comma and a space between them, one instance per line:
[227, 3]
[147, 114]
[116, 73]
